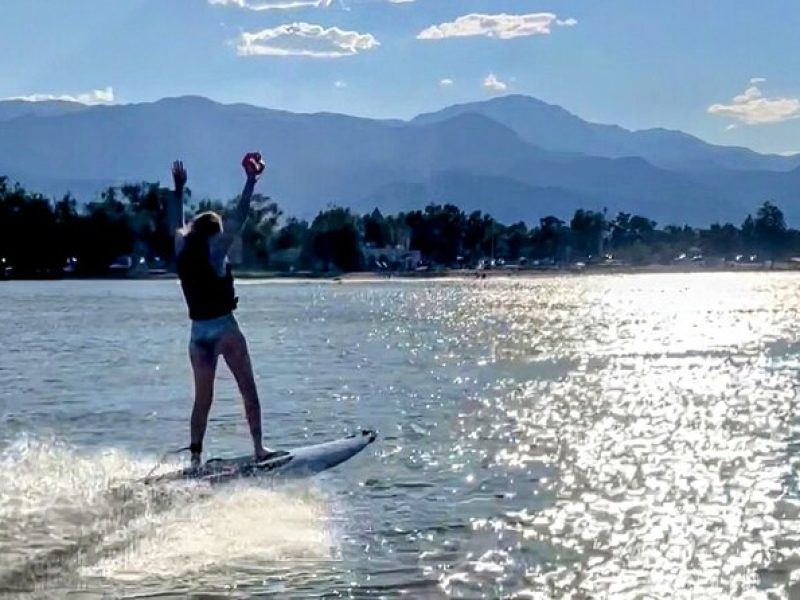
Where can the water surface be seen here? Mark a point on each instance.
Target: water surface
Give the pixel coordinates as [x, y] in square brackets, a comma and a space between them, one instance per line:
[593, 436]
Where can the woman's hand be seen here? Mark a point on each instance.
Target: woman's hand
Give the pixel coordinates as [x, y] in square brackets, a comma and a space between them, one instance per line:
[253, 165]
[175, 215]
[178, 175]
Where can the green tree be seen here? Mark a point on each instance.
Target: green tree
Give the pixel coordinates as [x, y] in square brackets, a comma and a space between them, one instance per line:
[209, 206]
[29, 233]
[588, 228]
[106, 233]
[259, 230]
[769, 230]
[292, 235]
[334, 240]
[514, 241]
[721, 240]
[550, 239]
[437, 232]
[147, 206]
[376, 229]
[478, 238]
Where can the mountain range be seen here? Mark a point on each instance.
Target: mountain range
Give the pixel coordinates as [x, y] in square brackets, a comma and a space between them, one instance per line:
[515, 157]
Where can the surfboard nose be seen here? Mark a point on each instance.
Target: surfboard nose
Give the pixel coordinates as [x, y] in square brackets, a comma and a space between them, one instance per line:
[370, 434]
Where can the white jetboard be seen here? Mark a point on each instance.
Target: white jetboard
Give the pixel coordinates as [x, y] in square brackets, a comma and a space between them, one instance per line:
[298, 462]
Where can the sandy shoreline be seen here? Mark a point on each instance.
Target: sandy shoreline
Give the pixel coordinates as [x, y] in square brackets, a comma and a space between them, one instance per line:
[523, 273]
[458, 274]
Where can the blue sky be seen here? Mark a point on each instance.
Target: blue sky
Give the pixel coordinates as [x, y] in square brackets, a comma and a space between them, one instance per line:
[725, 70]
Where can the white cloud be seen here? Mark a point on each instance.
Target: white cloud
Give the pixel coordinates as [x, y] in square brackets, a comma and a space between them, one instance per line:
[340, 84]
[104, 96]
[446, 82]
[494, 84]
[755, 80]
[272, 4]
[752, 108]
[503, 27]
[304, 39]
[260, 5]
[751, 93]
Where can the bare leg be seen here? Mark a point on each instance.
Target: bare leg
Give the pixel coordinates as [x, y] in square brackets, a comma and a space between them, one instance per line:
[204, 366]
[233, 347]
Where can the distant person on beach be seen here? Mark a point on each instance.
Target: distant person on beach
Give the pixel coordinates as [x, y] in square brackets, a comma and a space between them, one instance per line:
[201, 250]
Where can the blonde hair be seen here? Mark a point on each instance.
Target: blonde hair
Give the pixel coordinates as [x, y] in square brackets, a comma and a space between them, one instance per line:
[204, 225]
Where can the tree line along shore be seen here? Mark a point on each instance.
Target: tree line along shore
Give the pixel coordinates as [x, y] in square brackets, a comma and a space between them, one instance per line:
[125, 233]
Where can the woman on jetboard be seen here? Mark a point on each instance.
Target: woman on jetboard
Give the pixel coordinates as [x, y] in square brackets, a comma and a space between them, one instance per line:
[201, 250]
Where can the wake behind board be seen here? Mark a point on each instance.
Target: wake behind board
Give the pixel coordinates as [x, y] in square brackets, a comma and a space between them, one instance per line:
[298, 462]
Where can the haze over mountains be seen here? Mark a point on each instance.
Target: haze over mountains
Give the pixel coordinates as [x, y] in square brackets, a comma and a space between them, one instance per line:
[514, 156]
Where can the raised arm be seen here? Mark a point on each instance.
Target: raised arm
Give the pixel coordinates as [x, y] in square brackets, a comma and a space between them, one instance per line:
[235, 221]
[175, 214]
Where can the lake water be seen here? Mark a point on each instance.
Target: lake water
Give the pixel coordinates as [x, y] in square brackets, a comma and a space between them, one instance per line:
[592, 436]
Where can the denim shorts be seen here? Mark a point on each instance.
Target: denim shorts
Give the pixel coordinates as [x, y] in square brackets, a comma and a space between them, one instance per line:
[208, 332]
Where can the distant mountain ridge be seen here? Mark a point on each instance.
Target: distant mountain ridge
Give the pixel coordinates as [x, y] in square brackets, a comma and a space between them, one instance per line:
[515, 157]
[12, 109]
[553, 128]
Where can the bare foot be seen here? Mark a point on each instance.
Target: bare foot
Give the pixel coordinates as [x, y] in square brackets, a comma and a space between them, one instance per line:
[262, 453]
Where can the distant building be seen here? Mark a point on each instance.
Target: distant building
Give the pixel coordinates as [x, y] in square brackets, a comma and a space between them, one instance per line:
[391, 258]
[285, 260]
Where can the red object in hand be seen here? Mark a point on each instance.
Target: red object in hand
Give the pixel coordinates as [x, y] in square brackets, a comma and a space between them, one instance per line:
[253, 163]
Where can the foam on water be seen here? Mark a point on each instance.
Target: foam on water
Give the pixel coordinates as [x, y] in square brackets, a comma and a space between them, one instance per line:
[232, 525]
[67, 512]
